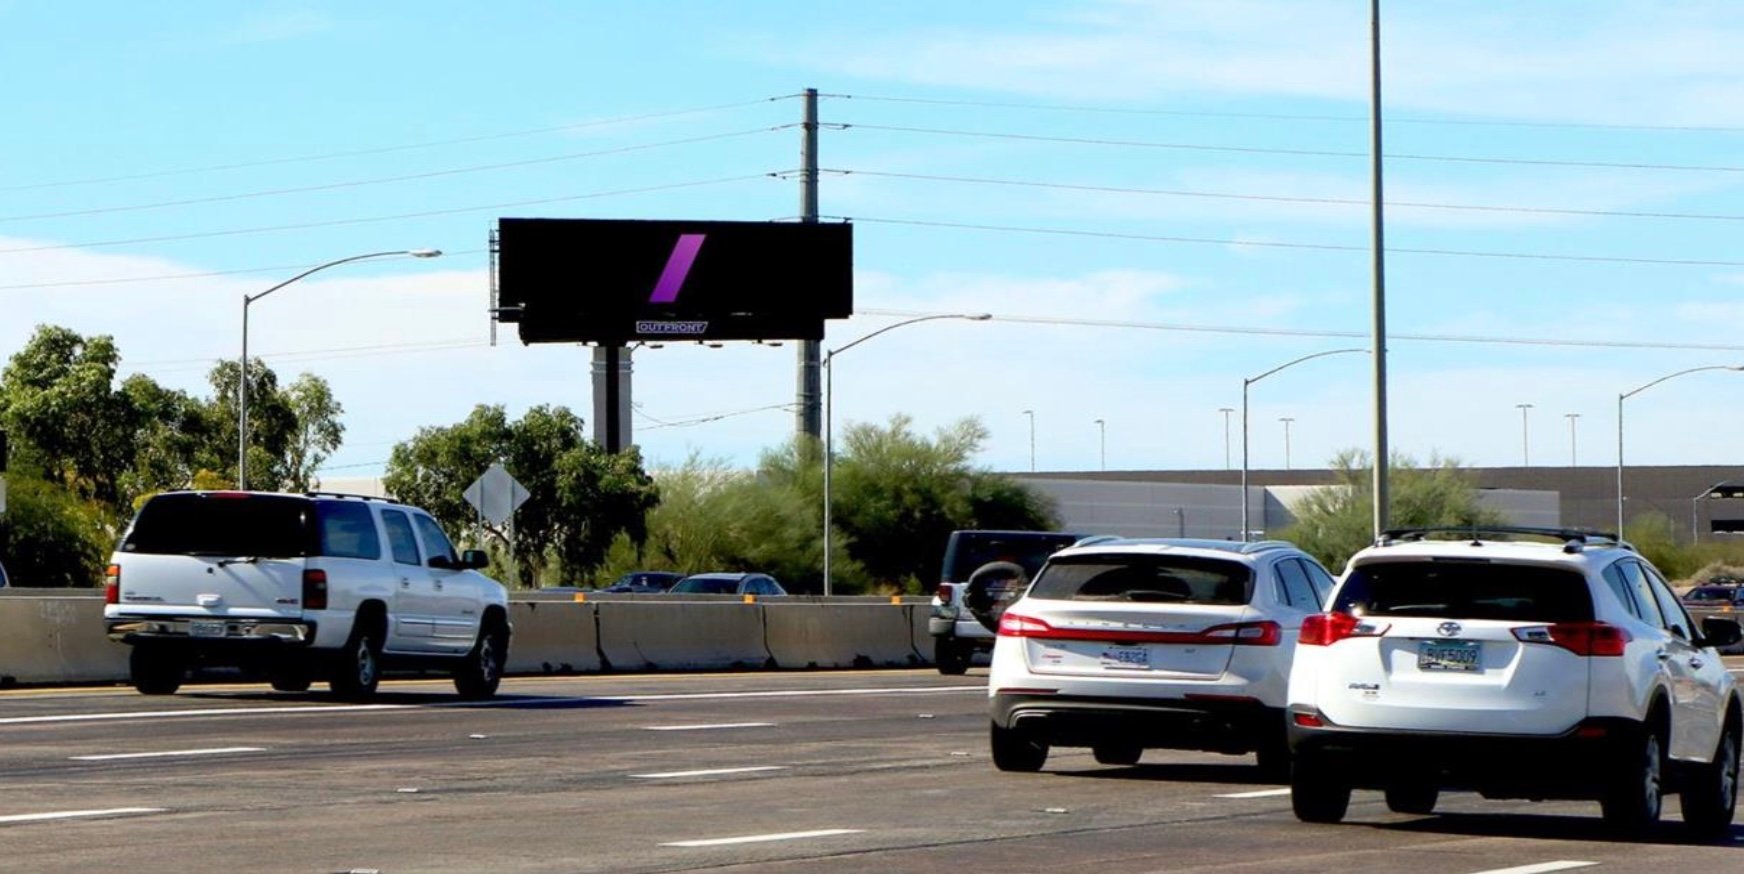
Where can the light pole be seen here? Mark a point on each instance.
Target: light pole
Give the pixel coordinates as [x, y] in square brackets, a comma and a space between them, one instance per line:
[828, 365]
[1629, 394]
[1226, 411]
[1245, 384]
[1286, 420]
[1031, 415]
[1102, 442]
[242, 369]
[1525, 444]
[1571, 417]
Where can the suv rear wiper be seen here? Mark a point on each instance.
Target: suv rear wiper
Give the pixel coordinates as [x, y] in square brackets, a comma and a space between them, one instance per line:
[245, 559]
[1155, 595]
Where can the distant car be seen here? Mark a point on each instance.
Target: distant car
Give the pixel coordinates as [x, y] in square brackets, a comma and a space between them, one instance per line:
[643, 583]
[727, 584]
[3, 581]
[1714, 595]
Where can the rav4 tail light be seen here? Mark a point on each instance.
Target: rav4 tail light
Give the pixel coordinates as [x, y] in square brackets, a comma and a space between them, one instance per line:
[943, 593]
[1580, 638]
[314, 589]
[1326, 629]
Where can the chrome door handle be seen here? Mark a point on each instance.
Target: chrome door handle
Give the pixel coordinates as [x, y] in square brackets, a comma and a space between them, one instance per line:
[406, 583]
[1664, 656]
[438, 585]
[1696, 662]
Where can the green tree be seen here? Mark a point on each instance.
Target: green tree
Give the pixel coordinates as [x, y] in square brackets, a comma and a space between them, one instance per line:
[1334, 522]
[272, 425]
[318, 433]
[75, 428]
[51, 538]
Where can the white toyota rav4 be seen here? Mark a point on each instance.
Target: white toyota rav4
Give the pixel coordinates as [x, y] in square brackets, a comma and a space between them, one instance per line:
[1563, 669]
[1128, 645]
[301, 587]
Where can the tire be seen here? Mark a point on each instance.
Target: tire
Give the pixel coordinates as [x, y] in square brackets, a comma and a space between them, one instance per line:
[291, 680]
[155, 672]
[1636, 793]
[357, 670]
[1012, 751]
[1710, 792]
[951, 657]
[1318, 793]
[1117, 754]
[1414, 797]
[479, 675]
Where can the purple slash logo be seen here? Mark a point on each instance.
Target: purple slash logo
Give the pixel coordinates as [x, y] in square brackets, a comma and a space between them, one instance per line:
[677, 268]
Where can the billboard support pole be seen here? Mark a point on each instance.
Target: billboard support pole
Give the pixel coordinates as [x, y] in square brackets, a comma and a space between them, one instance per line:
[809, 414]
[611, 397]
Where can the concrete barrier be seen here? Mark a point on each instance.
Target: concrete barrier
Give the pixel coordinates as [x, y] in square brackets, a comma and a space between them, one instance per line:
[841, 635]
[553, 637]
[681, 635]
[57, 640]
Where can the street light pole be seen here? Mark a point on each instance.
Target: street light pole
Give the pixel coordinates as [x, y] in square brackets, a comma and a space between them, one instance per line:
[1246, 383]
[1629, 394]
[242, 364]
[1572, 457]
[1226, 411]
[829, 401]
[1525, 444]
[1102, 442]
[1031, 415]
[1286, 420]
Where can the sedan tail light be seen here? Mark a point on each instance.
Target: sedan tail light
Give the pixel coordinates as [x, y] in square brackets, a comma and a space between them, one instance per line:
[1326, 629]
[1246, 634]
[1017, 625]
[1580, 638]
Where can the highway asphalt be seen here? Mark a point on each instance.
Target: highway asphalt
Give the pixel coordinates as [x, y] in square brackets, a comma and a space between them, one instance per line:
[860, 771]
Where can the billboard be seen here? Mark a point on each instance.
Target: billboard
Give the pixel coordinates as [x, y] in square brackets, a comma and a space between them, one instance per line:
[622, 281]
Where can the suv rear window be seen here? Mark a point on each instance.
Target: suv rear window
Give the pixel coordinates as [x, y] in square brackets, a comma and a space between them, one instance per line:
[223, 524]
[968, 550]
[1172, 579]
[1466, 590]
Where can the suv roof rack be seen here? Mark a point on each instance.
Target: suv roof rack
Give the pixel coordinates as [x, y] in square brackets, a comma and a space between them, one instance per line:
[1234, 546]
[321, 494]
[1573, 539]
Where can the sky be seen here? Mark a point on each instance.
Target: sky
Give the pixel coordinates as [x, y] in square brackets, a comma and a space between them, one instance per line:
[1157, 200]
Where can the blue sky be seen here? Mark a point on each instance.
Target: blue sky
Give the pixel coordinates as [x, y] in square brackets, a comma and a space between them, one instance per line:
[1564, 177]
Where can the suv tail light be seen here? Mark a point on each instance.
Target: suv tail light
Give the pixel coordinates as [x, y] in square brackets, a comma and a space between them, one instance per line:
[1246, 634]
[314, 589]
[1017, 625]
[1580, 638]
[1326, 629]
[943, 593]
[112, 584]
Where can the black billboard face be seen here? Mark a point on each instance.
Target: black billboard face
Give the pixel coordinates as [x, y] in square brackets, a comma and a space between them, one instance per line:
[618, 282]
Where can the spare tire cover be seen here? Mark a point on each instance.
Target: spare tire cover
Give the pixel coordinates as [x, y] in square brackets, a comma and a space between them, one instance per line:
[993, 587]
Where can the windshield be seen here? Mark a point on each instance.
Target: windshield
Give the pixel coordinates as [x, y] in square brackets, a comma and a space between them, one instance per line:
[968, 550]
[223, 524]
[1466, 590]
[1171, 579]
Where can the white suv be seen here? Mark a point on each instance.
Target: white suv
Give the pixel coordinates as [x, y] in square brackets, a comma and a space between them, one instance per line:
[1519, 669]
[301, 587]
[1125, 645]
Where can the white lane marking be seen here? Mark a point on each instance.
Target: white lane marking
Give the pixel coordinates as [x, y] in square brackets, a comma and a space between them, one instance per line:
[1540, 868]
[81, 814]
[709, 773]
[507, 702]
[1263, 793]
[754, 839]
[215, 751]
[709, 727]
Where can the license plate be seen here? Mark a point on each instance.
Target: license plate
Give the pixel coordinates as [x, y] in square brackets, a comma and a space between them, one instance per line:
[206, 628]
[1126, 658]
[1449, 655]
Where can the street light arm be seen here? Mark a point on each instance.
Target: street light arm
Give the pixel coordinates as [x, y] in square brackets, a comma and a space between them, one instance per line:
[416, 253]
[973, 317]
[1629, 394]
[1288, 364]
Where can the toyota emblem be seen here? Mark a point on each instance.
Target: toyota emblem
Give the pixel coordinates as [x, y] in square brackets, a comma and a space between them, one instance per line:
[1448, 629]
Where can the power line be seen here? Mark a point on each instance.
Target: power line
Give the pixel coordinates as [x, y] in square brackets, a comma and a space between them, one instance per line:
[1282, 116]
[1275, 244]
[1273, 198]
[385, 218]
[1318, 153]
[383, 150]
[385, 180]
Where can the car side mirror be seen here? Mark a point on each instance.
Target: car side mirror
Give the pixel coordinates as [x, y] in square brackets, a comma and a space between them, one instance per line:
[474, 559]
[1718, 631]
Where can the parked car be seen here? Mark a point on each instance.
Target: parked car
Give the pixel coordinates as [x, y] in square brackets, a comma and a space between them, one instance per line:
[963, 624]
[301, 587]
[1715, 595]
[1128, 645]
[643, 582]
[1564, 669]
[727, 584]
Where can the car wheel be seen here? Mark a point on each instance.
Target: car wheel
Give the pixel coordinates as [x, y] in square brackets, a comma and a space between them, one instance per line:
[1318, 792]
[155, 672]
[951, 657]
[1117, 754]
[291, 680]
[482, 671]
[1013, 751]
[1710, 795]
[1636, 792]
[358, 668]
[1415, 797]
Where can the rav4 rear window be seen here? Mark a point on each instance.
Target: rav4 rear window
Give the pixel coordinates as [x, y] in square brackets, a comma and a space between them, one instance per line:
[1163, 579]
[1466, 590]
[222, 524]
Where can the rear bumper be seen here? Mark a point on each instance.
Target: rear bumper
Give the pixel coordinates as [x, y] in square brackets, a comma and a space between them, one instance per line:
[1164, 723]
[965, 628]
[240, 635]
[1573, 764]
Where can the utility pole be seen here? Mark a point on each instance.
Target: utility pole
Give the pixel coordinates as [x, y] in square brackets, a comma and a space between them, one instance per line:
[1383, 459]
[1525, 442]
[809, 414]
[1225, 411]
[1571, 417]
[1286, 420]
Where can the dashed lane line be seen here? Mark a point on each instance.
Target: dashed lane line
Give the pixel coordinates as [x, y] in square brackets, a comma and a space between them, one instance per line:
[81, 814]
[757, 839]
[1263, 793]
[1540, 868]
[711, 772]
[214, 751]
[709, 726]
